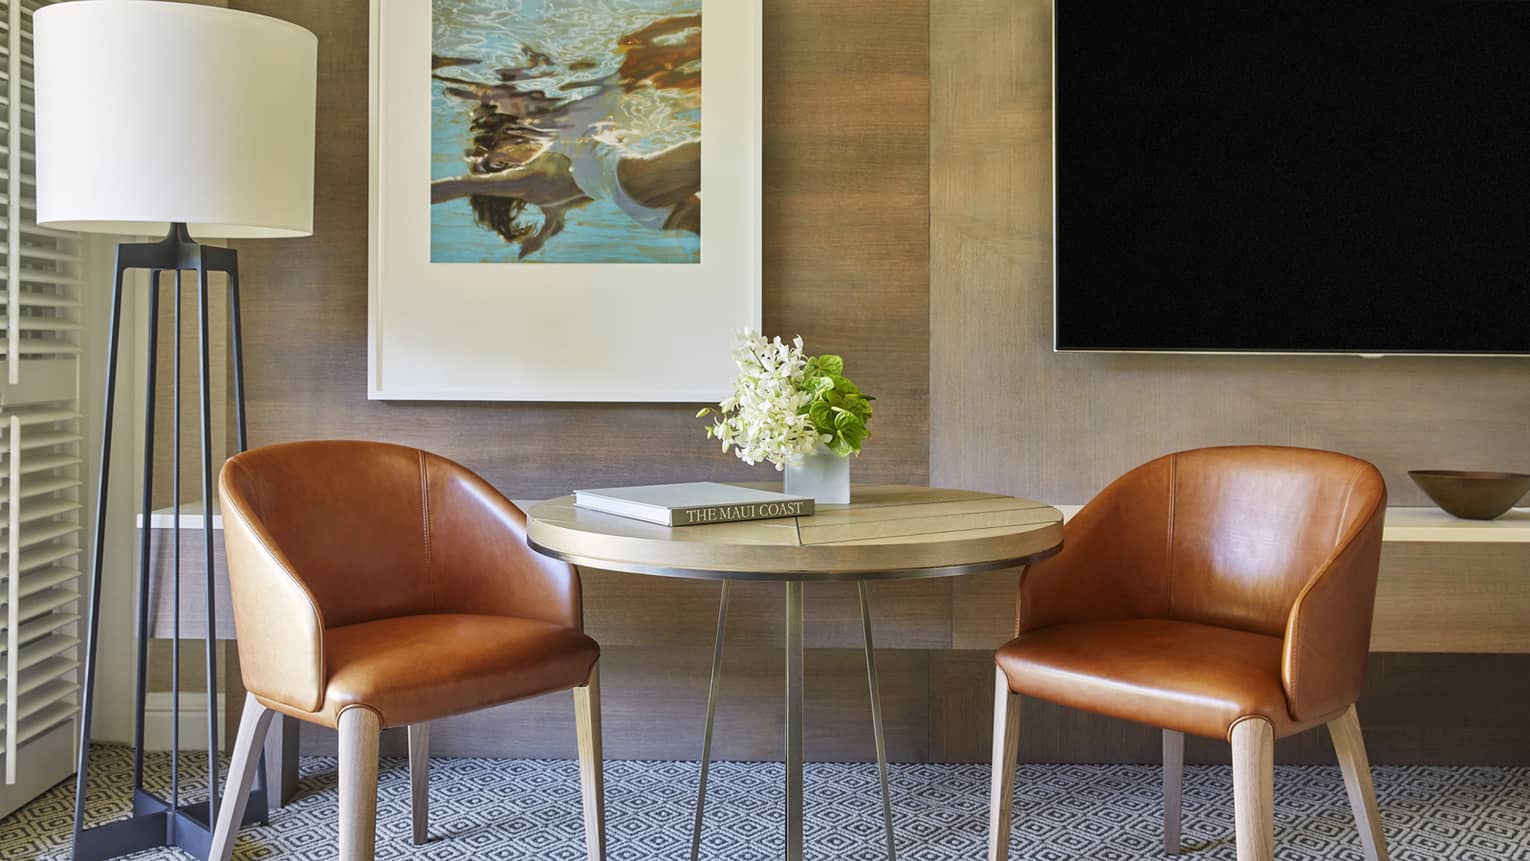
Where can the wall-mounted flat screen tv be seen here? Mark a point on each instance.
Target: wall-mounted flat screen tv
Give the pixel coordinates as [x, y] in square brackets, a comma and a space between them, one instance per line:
[1324, 176]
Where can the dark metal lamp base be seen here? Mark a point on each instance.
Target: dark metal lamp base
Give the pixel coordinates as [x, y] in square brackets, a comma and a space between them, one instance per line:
[154, 824]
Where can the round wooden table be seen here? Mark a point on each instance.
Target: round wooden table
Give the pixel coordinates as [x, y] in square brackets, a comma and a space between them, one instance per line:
[887, 532]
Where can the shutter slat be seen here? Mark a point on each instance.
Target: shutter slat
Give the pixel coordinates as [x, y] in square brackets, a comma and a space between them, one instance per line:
[33, 535]
[33, 323]
[41, 293]
[39, 299]
[38, 487]
[44, 697]
[47, 578]
[43, 626]
[46, 601]
[45, 439]
[44, 510]
[41, 347]
[45, 720]
[43, 673]
[44, 557]
[31, 465]
[34, 253]
[39, 276]
[56, 645]
[33, 417]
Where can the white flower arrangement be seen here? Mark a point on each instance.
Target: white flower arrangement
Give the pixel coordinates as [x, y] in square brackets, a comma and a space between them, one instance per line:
[787, 405]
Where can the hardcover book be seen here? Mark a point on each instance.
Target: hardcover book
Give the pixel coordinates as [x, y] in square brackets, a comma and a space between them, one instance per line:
[693, 503]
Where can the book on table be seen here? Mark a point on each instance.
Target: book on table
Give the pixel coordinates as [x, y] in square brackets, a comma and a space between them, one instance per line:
[693, 503]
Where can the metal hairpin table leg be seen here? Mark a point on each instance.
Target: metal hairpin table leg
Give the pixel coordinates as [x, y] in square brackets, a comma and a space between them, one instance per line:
[794, 720]
[706, 744]
[876, 721]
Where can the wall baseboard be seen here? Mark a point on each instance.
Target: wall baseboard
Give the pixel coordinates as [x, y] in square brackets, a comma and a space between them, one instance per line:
[159, 722]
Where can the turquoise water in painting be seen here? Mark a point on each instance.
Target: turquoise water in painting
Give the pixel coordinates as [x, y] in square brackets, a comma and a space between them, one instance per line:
[579, 40]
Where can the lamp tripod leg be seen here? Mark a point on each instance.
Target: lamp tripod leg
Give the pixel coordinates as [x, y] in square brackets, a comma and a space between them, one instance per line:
[93, 624]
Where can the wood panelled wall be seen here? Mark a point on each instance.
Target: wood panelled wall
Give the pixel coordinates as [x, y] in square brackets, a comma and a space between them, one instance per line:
[1015, 417]
[907, 225]
[1012, 416]
[846, 221]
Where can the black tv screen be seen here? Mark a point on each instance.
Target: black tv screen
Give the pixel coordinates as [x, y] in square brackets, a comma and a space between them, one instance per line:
[1301, 175]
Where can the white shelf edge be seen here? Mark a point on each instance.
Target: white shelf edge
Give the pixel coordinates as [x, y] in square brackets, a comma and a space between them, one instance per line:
[1428, 524]
[190, 516]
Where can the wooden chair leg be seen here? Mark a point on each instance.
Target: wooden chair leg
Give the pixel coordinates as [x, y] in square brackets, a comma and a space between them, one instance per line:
[1006, 746]
[1253, 756]
[419, 780]
[591, 771]
[1347, 742]
[1173, 788]
[253, 723]
[359, 729]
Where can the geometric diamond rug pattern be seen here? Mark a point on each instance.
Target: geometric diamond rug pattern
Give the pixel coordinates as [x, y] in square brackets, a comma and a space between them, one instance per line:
[529, 810]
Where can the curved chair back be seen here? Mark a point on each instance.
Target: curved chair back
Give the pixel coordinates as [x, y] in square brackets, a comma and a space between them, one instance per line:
[331, 533]
[1279, 541]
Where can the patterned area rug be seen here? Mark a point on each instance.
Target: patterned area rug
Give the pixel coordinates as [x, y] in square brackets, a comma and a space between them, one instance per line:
[520, 810]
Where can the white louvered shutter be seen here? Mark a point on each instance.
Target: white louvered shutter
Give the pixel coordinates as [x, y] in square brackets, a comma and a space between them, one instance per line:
[40, 439]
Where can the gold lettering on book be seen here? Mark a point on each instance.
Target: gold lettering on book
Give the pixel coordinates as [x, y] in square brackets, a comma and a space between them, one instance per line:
[748, 511]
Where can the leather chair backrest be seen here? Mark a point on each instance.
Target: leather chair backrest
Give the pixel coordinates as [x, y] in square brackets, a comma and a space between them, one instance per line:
[1251, 525]
[1229, 536]
[351, 516]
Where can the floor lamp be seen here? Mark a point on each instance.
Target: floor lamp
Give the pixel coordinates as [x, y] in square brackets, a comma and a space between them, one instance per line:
[174, 119]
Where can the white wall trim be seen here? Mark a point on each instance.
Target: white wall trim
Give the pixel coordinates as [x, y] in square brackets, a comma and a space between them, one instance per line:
[158, 723]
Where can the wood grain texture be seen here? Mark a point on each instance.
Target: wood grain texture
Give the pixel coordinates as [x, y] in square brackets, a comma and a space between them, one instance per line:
[1006, 744]
[846, 265]
[886, 532]
[359, 729]
[1453, 597]
[1349, 745]
[419, 782]
[846, 215]
[241, 777]
[626, 610]
[1173, 788]
[193, 589]
[592, 781]
[907, 180]
[1017, 418]
[1253, 752]
[1469, 717]
[653, 703]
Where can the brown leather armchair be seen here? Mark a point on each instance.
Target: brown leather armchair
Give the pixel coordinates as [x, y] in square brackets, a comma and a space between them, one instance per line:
[1223, 592]
[379, 586]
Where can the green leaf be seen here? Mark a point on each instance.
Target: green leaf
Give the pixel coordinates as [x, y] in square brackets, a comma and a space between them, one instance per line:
[841, 447]
[831, 364]
[704, 412]
[820, 414]
[846, 422]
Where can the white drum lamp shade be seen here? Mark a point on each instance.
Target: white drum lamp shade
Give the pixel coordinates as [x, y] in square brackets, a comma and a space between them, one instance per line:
[150, 113]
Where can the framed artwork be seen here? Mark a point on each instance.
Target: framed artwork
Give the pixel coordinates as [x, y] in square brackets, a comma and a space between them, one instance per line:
[537, 178]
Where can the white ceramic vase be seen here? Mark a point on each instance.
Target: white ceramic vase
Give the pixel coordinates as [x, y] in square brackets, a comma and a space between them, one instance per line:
[824, 476]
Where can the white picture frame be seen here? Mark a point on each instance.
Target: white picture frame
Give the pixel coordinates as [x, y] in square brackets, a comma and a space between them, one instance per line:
[545, 332]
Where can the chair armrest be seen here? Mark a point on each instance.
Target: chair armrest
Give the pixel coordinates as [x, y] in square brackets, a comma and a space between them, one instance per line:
[479, 559]
[279, 626]
[1114, 561]
[1328, 632]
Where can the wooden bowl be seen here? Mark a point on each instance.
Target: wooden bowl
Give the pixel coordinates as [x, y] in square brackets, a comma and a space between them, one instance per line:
[1472, 495]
